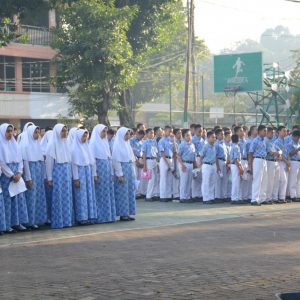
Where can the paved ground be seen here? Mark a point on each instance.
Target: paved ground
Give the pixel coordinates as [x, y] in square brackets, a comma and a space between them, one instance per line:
[172, 251]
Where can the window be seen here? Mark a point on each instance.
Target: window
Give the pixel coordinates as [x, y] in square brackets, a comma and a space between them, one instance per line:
[7, 73]
[36, 75]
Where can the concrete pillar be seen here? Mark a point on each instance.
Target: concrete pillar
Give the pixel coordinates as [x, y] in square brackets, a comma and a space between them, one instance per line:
[52, 71]
[52, 18]
[19, 74]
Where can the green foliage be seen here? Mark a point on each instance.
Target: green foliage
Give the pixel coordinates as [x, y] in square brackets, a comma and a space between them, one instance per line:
[295, 98]
[103, 46]
[95, 57]
[24, 10]
[167, 60]
[7, 31]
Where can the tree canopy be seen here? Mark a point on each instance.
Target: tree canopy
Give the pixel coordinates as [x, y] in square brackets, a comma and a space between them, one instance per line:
[104, 45]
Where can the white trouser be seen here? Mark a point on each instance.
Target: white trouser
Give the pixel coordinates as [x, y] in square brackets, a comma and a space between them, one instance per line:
[249, 193]
[157, 184]
[221, 182]
[142, 189]
[165, 185]
[151, 165]
[273, 175]
[259, 183]
[246, 185]
[236, 183]
[280, 183]
[176, 182]
[209, 173]
[229, 184]
[186, 181]
[294, 179]
[196, 182]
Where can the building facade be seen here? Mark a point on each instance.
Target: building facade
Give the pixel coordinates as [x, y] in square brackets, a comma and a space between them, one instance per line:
[25, 71]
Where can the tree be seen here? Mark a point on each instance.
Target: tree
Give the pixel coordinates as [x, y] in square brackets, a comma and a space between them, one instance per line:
[295, 90]
[158, 37]
[22, 10]
[103, 45]
[94, 56]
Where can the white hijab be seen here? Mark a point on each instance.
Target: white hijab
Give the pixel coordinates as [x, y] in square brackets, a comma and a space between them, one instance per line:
[81, 154]
[58, 148]
[31, 148]
[10, 151]
[71, 136]
[45, 140]
[23, 134]
[99, 146]
[122, 150]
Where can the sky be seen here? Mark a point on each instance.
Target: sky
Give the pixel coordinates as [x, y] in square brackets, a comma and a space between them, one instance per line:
[222, 23]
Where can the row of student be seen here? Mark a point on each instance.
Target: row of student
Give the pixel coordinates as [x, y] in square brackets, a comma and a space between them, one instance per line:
[69, 179]
[263, 167]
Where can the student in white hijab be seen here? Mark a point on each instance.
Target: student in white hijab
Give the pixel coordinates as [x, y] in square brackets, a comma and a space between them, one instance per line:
[34, 174]
[48, 190]
[123, 159]
[59, 176]
[72, 136]
[23, 133]
[83, 179]
[45, 140]
[12, 168]
[104, 185]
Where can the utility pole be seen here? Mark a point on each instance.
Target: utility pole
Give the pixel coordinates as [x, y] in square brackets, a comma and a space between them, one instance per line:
[193, 60]
[202, 96]
[170, 94]
[190, 4]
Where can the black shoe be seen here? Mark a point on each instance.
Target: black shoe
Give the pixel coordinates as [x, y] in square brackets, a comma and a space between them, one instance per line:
[289, 200]
[296, 200]
[11, 230]
[255, 203]
[165, 199]
[131, 218]
[176, 198]
[219, 200]
[209, 202]
[235, 202]
[19, 228]
[1, 232]
[269, 202]
[186, 201]
[149, 199]
[124, 219]
[197, 199]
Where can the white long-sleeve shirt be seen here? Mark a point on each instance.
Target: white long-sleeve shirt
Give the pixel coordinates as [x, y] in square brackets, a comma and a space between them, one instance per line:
[75, 171]
[49, 162]
[117, 166]
[8, 172]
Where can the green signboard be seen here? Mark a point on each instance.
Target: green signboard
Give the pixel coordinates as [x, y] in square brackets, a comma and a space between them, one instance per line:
[238, 72]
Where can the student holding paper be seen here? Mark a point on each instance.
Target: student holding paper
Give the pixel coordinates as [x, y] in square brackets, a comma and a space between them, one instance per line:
[12, 168]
